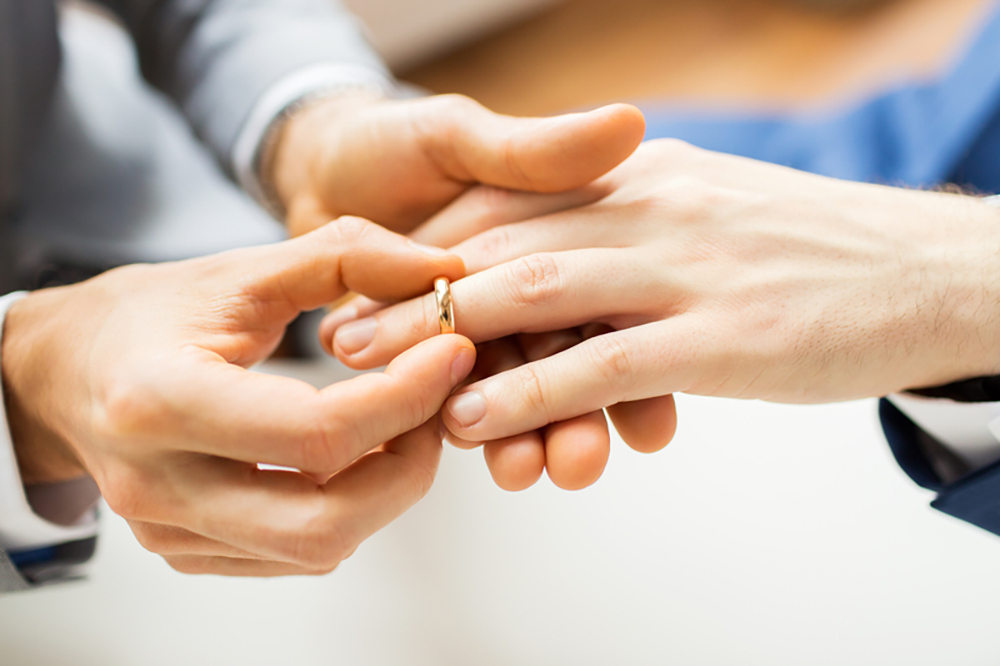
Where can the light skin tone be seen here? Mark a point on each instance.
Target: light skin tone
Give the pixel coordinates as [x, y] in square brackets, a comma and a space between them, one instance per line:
[689, 271]
[398, 162]
[139, 378]
[149, 392]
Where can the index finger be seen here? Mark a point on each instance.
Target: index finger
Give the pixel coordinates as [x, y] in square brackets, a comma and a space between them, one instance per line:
[209, 406]
[534, 294]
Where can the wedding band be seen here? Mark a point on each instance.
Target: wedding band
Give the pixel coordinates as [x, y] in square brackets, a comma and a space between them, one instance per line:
[446, 311]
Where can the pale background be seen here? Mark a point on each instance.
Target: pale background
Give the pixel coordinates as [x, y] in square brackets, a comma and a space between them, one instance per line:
[764, 534]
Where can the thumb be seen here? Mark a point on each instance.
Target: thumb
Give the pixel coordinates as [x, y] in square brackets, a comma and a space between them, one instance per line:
[472, 144]
[349, 254]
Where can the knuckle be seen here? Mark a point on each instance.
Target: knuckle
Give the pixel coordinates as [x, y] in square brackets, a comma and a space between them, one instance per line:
[348, 230]
[613, 359]
[422, 476]
[454, 103]
[149, 539]
[131, 408]
[533, 391]
[127, 495]
[494, 244]
[319, 543]
[321, 445]
[536, 280]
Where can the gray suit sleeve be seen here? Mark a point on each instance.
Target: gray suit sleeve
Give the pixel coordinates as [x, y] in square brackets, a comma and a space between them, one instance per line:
[215, 58]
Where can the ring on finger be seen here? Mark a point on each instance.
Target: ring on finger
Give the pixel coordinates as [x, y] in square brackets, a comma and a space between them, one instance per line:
[446, 309]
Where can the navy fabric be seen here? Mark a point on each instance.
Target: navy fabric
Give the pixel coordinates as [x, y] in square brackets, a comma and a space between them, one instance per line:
[918, 135]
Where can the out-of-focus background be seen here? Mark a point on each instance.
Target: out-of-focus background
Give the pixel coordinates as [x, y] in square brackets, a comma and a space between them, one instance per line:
[764, 534]
[544, 56]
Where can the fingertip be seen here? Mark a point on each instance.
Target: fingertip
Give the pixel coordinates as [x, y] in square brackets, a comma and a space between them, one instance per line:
[331, 322]
[647, 426]
[577, 451]
[516, 463]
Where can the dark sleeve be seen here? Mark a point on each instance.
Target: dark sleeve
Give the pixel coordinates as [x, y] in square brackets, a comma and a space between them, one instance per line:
[973, 497]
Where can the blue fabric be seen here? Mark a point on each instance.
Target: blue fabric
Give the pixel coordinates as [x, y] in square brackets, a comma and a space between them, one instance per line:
[39, 555]
[918, 135]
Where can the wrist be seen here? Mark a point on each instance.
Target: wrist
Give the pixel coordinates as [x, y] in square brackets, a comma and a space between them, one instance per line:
[293, 162]
[43, 455]
[973, 288]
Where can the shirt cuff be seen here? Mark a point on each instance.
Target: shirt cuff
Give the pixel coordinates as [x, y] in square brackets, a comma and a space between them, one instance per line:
[324, 80]
[21, 528]
[970, 430]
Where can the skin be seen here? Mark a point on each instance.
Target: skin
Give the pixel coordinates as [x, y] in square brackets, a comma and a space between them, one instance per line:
[150, 394]
[398, 162]
[140, 379]
[711, 275]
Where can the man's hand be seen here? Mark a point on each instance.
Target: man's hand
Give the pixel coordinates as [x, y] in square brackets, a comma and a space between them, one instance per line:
[139, 377]
[711, 275]
[397, 162]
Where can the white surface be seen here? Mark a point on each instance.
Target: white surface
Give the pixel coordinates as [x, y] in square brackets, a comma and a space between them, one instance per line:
[763, 535]
[408, 32]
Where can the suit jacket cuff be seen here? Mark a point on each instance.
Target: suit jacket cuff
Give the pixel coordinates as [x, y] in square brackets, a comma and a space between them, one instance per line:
[972, 496]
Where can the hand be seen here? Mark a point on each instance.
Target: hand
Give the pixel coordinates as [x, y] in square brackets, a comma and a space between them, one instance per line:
[138, 377]
[397, 162]
[718, 276]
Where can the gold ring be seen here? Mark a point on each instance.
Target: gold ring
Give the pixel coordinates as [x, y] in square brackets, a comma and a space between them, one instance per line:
[446, 311]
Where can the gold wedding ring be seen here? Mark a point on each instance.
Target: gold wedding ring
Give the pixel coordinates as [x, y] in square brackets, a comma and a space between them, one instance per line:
[446, 311]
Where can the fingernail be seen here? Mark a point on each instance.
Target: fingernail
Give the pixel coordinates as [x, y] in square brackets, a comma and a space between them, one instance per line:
[340, 316]
[356, 335]
[467, 408]
[429, 249]
[462, 365]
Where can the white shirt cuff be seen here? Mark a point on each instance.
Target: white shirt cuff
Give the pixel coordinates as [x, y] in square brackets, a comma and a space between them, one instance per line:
[970, 430]
[327, 79]
[20, 527]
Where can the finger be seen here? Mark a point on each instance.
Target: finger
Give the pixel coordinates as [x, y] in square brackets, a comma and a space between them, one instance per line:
[578, 229]
[170, 540]
[215, 408]
[472, 144]
[483, 208]
[577, 450]
[500, 242]
[536, 346]
[347, 309]
[516, 463]
[538, 293]
[624, 366]
[645, 425]
[201, 565]
[349, 254]
[285, 517]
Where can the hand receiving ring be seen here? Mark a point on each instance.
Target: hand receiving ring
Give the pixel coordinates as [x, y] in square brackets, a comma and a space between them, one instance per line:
[446, 310]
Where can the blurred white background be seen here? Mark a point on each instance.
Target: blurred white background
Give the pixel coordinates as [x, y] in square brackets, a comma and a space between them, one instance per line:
[764, 535]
